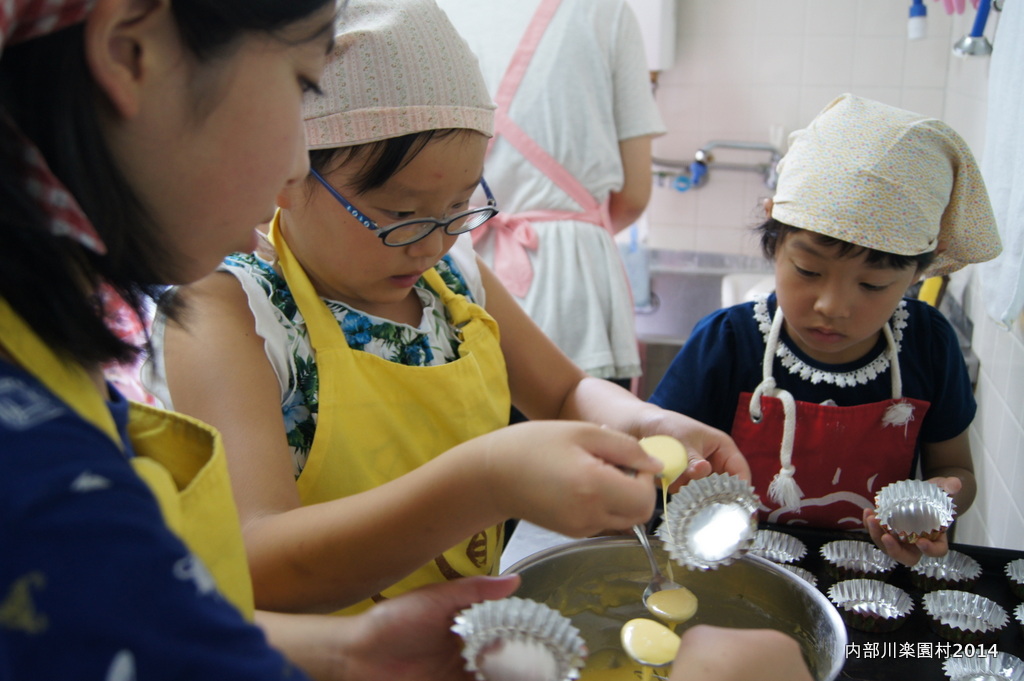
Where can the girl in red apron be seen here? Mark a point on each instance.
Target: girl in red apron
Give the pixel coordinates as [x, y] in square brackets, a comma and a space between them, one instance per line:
[835, 386]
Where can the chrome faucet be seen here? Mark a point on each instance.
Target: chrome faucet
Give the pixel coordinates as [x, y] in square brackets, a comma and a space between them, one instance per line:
[704, 161]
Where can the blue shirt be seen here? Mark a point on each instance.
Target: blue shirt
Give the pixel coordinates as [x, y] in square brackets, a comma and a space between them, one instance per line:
[93, 585]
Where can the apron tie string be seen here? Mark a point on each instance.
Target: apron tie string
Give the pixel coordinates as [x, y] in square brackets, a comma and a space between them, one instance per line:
[513, 236]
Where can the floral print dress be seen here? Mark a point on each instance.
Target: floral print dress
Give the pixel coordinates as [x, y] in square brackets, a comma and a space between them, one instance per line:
[287, 344]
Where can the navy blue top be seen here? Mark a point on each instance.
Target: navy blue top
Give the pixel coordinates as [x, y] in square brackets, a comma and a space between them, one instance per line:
[93, 585]
[723, 357]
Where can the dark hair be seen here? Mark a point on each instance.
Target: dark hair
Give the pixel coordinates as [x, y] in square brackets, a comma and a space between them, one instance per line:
[773, 233]
[380, 160]
[48, 92]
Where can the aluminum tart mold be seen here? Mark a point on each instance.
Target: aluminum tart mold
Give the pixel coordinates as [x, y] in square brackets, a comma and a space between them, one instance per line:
[1015, 573]
[518, 639]
[1018, 613]
[914, 509]
[871, 605]
[806, 575]
[954, 570]
[778, 547]
[854, 559]
[710, 522]
[999, 667]
[963, 617]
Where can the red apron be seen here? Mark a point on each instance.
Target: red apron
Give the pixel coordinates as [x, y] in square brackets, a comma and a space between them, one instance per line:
[838, 457]
[514, 234]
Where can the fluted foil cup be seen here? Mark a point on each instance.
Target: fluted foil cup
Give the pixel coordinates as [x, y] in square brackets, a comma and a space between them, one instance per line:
[710, 522]
[871, 605]
[778, 547]
[963, 617]
[518, 639]
[1015, 573]
[854, 559]
[914, 509]
[954, 570]
[800, 572]
[999, 667]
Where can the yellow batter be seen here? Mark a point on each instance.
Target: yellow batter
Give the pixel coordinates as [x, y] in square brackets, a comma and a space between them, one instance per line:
[673, 605]
[672, 455]
[670, 452]
[647, 641]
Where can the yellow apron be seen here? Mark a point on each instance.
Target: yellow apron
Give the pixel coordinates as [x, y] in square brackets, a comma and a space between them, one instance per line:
[379, 420]
[179, 458]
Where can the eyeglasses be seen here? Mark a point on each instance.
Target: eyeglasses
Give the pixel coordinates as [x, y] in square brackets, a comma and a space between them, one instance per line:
[410, 231]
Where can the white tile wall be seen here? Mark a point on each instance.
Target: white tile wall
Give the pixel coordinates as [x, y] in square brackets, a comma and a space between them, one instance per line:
[752, 69]
[997, 435]
[746, 68]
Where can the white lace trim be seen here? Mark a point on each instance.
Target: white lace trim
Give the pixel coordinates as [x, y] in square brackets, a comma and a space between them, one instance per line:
[797, 366]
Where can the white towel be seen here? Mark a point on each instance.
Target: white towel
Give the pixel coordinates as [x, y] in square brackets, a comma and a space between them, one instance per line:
[1002, 165]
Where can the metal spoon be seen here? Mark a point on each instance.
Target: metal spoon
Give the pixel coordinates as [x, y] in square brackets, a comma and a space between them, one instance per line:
[659, 582]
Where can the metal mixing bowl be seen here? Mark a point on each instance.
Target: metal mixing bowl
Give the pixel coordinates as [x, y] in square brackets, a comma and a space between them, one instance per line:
[598, 584]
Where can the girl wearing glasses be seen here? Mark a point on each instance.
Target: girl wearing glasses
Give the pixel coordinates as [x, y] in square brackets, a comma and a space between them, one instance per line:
[354, 363]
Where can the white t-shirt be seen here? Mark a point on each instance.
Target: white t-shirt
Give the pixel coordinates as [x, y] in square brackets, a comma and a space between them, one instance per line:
[586, 89]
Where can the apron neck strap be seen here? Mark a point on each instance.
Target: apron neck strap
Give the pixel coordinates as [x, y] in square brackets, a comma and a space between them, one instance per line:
[524, 53]
[894, 362]
[319, 321]
[771, 345]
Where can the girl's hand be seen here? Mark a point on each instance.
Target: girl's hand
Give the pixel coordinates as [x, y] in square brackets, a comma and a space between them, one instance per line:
[570, 477]
[902, 552]
[951, 484]
[409, 637]
[710, 450]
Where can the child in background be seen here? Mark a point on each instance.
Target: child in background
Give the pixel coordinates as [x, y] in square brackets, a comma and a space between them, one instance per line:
[354, 364]
[835, 385]
[571, 163]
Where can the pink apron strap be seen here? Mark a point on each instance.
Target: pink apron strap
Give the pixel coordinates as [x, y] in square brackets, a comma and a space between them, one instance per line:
[514, 234]
[544, 162]
[524, 53]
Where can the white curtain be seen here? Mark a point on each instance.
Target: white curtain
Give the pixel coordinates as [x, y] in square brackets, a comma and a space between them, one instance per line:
[1002, 165]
